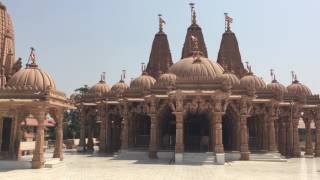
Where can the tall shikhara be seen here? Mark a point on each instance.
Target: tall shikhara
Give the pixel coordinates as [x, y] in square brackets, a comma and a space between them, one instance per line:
[194, 30]
[229, 54]
[8, 64]
[160, 57]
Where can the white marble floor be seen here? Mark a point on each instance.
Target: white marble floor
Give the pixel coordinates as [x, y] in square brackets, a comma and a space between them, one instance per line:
[94, 167]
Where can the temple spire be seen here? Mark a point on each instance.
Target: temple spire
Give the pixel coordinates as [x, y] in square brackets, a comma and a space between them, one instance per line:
[160, 56]
[229, 53]
[194, 30]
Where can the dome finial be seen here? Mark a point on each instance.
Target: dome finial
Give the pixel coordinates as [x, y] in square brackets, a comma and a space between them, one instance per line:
[294, 77]
[249, 67]
[193, 14]
[228, 21]
[32, 58]
[103, 77]
[123, 76]
[162, 23]
[143, 68]
[273, 75]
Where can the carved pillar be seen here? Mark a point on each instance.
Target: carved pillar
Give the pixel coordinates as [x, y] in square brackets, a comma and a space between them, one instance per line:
[265, 139]
[317, 149]
[102, 115]
[82, 142]
[125, 127]
[282, 138]
[153, 146]
[244, 146]
[217, 125]
[1, 128]
[38, 156]
[308, 147]
[296, 141]
[90, 145]
[272, 133]
[289, 138]
[58, 147]
[179, 132]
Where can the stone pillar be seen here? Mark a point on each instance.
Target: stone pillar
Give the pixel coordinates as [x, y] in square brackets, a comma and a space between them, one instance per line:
[153, 146]
[265, 139]
[90, 145]
[296, 141]
[272, 135]
[82, 143]
[289, 139]
[317, 149]
[58, 147]
[1, 129]
[244, 146]
[179, 137]
[103, 128]
[125, 128]
[308, 139]
[283, 138]
[38, 155]
[218, 142]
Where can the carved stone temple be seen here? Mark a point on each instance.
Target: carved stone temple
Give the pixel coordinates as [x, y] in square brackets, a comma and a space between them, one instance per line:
[198, 105]
[26, 93]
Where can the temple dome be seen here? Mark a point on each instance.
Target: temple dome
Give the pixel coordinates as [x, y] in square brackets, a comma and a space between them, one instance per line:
[101, 88]
[166, 80]
[32, 77]
[143, 82]
[252, 82]
[228, 78]
[196, 70]
[276, 87]
[296, 88]
[119, 87]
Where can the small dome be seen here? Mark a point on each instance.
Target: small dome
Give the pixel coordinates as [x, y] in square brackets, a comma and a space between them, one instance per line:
[32, 77]
[166, 80]
[119, 87]
[196, 70]
[296, 88]
[252, 82]
[143, 82]
[276, 87]
[101, 88]
[228, 78]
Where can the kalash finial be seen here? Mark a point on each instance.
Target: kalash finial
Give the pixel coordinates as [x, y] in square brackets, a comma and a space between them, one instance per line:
[143, 68]
[162, 23]
[103, 77]
[123, 76]
[249, 67]
[228, 20]
[32, 58]
[294, 77]
[193, 14]
[273, 76]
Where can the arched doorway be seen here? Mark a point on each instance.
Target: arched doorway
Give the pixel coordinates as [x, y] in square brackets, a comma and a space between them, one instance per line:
[255, 133]
[231, 131]
[6, 134]
[141, 130]
[167, 128]
[196, 132]
[114, 133]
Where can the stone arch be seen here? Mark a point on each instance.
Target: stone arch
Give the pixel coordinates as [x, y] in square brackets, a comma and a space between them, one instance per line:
[231, 130]
[167, 127]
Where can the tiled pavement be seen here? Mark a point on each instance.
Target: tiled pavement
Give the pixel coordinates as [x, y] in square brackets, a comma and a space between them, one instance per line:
[95, 167]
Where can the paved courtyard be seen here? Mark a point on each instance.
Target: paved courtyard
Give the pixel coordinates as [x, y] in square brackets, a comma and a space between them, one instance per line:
[95, 167]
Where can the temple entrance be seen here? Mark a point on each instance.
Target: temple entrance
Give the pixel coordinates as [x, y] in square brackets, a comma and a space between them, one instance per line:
[255, 128]
[114, 133]
[230, 130]
[196, 133]
[6, 134]
[167, 129]
[141, 131]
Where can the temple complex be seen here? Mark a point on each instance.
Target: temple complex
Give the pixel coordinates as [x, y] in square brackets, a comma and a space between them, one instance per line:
[199, 105]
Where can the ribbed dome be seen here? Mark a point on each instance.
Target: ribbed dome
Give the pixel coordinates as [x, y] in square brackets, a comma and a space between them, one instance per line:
[119, 87]
[143, 82]
[228, 78]
[196, 70]
[252, 82]
[32, 77]
[101, 88]
[296, 88]
[166, 80]
[276, 87]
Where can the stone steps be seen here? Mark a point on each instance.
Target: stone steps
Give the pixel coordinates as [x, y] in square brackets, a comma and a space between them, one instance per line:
[53, 163]
[271, 157]
[198, 158]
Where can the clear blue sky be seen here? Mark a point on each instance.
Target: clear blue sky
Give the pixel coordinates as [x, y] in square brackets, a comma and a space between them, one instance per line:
[76, 40]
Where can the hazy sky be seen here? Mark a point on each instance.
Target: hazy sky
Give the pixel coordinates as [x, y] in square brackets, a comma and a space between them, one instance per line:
[76, 40]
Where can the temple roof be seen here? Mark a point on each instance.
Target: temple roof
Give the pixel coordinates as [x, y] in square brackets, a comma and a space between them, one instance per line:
[160, 57]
